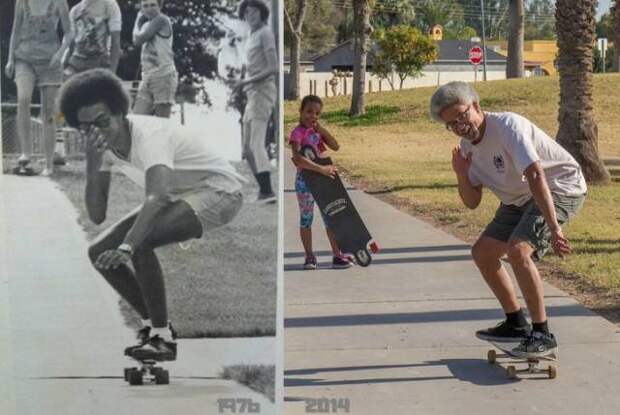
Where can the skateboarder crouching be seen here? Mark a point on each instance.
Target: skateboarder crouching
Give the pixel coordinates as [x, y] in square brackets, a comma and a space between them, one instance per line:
[189, 191]
[310, 132]
[540, 186]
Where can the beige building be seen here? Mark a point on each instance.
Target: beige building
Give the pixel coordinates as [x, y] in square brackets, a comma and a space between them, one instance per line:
[538, 55]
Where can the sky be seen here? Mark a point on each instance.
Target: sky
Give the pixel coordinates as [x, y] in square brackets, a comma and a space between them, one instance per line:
[603, 7]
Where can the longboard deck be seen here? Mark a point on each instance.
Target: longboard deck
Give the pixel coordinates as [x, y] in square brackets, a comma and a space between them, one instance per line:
[338, 209]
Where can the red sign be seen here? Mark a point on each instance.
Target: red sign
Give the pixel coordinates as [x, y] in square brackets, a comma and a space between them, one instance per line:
[476, 55]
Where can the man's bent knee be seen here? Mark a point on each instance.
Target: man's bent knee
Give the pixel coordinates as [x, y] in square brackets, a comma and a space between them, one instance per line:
[483, 252]
[519, 252]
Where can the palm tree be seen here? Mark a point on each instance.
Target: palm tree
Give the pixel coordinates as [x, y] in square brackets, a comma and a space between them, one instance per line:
[362, 31]
[436, 12]
[576, 28]
[295, 24]
[514, 64]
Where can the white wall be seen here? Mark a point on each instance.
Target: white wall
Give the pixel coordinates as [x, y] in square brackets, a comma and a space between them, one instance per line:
[316, 82]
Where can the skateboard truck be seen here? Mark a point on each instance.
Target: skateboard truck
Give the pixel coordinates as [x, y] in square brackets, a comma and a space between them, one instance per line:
[147, 371]
[533, 364]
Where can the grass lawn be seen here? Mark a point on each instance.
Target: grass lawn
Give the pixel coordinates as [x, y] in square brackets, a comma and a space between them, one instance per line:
[397, 153]
[261, 378]
[223, 285]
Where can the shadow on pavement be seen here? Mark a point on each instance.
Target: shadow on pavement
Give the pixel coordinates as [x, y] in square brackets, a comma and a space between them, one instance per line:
[387, 261]
[569, 310]
[400, 250]
[476, 371]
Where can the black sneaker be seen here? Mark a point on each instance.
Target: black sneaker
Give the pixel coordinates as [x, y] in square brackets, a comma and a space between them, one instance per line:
[341, 262]
[310, 263]
[504, 332]
[156, 348]
[537, 345]
[266, 198]
[142, 336]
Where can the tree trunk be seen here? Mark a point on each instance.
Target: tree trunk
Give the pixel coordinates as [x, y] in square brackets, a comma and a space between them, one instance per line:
[575, 26]
[361, 34]
[293, 92]
[295, 24]
[615, 15]
[514, 63]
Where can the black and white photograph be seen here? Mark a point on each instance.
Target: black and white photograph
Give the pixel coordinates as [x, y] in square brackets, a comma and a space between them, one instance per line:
[139, 206]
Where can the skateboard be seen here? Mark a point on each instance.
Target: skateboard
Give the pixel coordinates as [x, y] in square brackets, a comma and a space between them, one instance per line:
[146, 371]
[22, 169]
[534, 364]
[338, 210]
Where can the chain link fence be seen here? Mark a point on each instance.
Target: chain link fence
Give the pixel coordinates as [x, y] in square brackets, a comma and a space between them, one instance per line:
[69, 142]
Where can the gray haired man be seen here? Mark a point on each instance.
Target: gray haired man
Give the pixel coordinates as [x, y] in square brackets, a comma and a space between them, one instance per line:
[540, 186]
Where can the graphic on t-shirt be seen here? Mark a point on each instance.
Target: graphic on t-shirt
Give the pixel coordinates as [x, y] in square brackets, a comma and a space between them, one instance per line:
[92, 35]
[498, 161]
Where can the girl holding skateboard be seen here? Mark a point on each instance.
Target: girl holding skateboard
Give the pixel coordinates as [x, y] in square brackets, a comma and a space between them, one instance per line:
[310, 132]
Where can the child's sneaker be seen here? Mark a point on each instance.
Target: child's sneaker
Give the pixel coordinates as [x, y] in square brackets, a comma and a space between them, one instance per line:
[156, 348]
[310, 263]
[341, 262]
[537, 345]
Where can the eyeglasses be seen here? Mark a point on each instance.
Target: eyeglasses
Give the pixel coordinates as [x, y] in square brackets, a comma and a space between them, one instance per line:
[460, 119]
[101, 122]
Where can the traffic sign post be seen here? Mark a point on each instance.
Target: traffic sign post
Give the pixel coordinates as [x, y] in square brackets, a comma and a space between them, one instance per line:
[476, 56]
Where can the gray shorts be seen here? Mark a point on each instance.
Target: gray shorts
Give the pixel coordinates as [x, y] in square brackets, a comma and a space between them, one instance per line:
[213, 207]
[158, 90]
[528, 224]
[262, 98]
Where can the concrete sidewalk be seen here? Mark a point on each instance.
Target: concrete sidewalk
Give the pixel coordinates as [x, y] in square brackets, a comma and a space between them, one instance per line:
[398, 337]
[62, 335]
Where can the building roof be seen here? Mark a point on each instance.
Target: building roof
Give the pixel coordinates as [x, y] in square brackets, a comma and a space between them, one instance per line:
[450, 51]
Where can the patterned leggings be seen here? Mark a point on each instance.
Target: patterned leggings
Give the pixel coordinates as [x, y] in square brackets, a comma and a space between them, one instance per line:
[306, 202]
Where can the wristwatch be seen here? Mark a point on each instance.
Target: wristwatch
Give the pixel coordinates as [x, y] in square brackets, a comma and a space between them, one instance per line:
[125, 248]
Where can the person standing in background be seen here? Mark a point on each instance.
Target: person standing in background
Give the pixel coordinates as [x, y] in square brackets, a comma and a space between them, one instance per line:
[153, 32]
[96, 25]
[262, 92]
[35, 53]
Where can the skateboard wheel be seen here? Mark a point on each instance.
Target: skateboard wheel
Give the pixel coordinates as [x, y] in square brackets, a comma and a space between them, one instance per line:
[127, 370]
[162, 377]
[512, 372]
[553, 372]
[491, 356]
[374, 248]
[135, 376]
[362, 257]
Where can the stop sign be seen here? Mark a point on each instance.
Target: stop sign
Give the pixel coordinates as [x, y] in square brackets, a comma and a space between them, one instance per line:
[476, 55]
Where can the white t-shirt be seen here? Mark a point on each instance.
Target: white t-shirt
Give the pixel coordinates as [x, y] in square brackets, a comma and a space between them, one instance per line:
[92, 22]
[159, 141]
[259, 44]
[510, 144]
